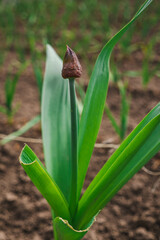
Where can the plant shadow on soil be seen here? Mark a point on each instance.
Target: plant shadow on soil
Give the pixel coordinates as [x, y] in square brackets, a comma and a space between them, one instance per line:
[134, 213]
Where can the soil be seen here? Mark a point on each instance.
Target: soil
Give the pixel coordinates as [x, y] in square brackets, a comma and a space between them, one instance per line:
[134, 213]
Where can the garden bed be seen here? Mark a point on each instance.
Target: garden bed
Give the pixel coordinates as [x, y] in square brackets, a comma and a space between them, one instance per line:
[134, 213]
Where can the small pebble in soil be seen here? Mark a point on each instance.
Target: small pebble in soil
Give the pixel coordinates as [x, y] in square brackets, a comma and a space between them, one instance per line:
[37, 237]
[2, 236]
[10, 197]
[142, 233]
[2, 168]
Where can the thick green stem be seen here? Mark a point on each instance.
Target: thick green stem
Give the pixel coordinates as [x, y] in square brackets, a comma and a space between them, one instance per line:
[54, 229]
[74, 161]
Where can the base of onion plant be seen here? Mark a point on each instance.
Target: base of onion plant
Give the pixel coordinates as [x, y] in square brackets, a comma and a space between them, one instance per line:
[69, 142]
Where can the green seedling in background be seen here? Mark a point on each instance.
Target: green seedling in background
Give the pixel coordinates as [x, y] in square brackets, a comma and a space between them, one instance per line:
[35, 120]
[121, 128]
[24, 23]
[2, 56]
[147, 72]
[124, 110]
[10, 88]
[69, 143]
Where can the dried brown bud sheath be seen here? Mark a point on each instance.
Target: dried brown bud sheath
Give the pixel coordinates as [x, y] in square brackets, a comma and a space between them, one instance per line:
[71, 65]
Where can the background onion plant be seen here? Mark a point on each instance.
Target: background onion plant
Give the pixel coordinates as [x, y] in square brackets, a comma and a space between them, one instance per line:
[9, 90]
[69, 139]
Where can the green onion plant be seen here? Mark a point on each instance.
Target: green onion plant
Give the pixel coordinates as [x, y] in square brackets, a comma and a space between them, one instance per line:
[147, 73]
[69, 142]
[35, 120]
[10, 88]
[121, 128]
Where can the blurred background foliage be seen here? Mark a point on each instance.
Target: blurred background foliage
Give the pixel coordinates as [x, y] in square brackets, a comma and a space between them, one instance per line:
[27, 25]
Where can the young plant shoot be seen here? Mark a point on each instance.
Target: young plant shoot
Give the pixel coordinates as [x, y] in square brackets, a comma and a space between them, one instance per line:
[121, 128]
[10, 88]
[69, 143]
[39, 77]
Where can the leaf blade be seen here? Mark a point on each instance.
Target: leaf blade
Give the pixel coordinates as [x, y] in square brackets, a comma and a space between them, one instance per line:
[149, 117]
[43, 181]
[56, 123]
[144, 146]
[95, 101]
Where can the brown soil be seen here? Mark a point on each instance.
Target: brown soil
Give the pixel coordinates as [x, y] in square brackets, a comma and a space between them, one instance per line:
[134, 213]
